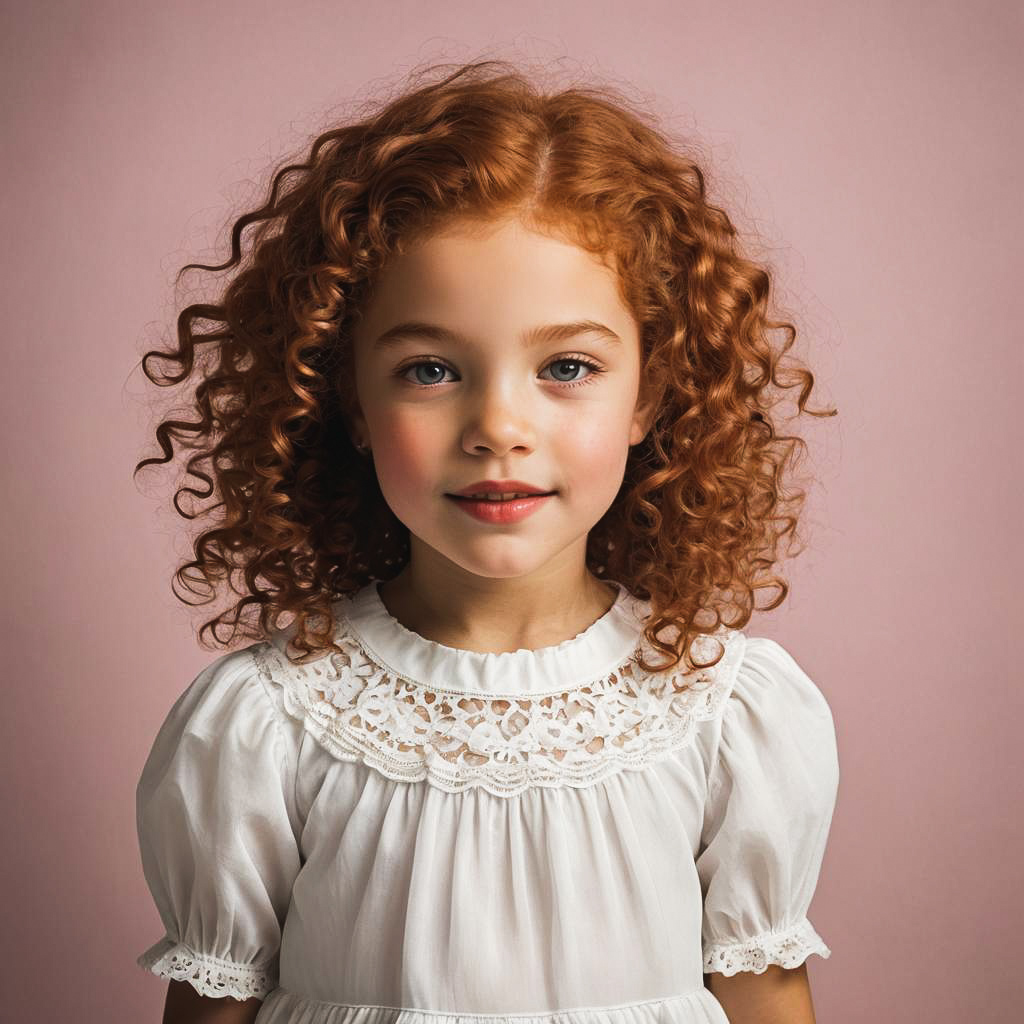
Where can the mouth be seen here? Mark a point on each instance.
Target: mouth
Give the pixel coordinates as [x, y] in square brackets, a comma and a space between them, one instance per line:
[522, 496]
[502, 512]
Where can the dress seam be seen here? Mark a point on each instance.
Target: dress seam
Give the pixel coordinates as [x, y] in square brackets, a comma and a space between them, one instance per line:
[633, 1004]
[277, 713]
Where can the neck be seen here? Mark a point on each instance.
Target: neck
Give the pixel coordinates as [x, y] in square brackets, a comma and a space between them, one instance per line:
[496, 615]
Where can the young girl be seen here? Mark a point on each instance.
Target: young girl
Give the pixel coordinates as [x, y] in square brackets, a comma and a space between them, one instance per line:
[487, 417]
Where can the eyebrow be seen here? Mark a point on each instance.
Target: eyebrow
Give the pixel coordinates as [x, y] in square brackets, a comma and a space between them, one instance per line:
[546, 333]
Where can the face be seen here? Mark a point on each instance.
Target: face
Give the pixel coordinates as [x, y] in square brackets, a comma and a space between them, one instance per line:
[481, 399]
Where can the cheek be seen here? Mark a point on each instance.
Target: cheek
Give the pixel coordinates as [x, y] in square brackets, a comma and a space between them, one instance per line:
[404, 457]
[592, 447]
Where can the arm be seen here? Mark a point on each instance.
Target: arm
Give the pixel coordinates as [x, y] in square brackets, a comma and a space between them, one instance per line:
[778, 996]
[185, 1005]
[219, 836]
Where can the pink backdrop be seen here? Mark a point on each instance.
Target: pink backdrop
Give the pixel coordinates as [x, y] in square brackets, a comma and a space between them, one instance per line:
[876, 146]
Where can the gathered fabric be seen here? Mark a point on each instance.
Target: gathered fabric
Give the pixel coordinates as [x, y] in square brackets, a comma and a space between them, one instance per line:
[405, 830]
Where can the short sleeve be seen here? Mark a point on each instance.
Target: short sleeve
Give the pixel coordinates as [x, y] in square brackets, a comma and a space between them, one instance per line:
[218, 833]
[771, 794]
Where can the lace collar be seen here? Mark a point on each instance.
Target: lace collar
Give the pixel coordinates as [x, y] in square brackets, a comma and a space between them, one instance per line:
[461, 719]
[604, 645]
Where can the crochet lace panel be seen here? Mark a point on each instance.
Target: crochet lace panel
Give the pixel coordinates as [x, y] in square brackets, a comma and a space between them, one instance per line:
[208, 975]
[359, 709]
[788, 948]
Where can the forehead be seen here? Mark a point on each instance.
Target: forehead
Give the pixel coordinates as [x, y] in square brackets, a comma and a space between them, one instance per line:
[497, 268]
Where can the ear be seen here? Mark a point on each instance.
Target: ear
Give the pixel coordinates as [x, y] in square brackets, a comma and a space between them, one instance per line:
[352, 412]
[647, 405]
[357, 427]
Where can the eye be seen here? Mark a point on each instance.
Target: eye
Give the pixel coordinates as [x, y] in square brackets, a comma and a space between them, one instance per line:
[438, 368]
[433, 364]
[575, 362]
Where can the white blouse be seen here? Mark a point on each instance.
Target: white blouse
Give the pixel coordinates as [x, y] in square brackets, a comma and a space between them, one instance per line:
[408, 830]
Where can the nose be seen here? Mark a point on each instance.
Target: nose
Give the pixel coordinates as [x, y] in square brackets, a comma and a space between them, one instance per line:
[501, 422]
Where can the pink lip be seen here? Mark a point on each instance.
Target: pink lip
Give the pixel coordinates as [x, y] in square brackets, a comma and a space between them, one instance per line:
[511, 511]
[500, 487]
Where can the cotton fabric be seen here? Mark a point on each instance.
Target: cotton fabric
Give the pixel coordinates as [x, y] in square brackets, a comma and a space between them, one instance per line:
[414, 833]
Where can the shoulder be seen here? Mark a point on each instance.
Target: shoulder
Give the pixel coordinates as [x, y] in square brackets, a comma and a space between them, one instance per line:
[228, 683]
[230, 700]
[775, 723]
[224, 717]
[769, 674]
[750, 669]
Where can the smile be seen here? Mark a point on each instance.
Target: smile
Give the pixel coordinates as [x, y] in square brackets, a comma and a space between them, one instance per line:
[511, 510]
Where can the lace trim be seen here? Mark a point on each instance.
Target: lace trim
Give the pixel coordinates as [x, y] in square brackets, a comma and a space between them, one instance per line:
[208, 975]
[788, 949]
[359, 709]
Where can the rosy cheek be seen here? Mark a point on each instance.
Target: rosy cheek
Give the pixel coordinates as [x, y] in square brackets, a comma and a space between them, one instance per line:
[596, 444]
[404, 456]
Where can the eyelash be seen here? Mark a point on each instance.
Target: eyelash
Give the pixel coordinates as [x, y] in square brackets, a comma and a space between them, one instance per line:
[596, 370]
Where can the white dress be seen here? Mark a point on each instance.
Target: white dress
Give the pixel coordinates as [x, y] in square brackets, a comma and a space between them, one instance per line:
[414, 833]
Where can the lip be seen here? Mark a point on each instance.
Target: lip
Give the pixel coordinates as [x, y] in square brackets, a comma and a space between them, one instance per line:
[500, 512]
[499, 487]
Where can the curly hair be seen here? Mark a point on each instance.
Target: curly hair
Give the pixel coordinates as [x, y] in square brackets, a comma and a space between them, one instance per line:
[299, 519]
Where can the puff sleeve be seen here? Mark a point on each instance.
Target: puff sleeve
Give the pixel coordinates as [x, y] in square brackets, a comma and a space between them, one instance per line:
[771, 794]
[218, 833]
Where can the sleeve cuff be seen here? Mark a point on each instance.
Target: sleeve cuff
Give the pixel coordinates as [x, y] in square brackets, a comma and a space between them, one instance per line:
[788, 948]
[209, 975]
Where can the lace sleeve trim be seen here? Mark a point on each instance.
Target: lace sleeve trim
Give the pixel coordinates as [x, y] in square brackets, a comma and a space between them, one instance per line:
[209, 975]
[788, 948]
[360, 710]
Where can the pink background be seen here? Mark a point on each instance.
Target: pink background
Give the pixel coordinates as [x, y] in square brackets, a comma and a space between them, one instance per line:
[877, 148]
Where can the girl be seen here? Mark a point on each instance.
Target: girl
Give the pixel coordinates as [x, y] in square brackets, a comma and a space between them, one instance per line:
[486, 414]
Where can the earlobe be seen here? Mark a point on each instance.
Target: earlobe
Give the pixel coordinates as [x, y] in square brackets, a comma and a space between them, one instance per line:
[357, 438]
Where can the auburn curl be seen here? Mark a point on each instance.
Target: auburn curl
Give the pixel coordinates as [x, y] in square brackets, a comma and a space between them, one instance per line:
[298, 518]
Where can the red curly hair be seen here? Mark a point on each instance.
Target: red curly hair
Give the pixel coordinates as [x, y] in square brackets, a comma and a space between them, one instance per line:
[299, 518]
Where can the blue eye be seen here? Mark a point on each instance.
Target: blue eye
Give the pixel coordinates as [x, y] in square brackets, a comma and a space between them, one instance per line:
[430, 364]
[572, 361]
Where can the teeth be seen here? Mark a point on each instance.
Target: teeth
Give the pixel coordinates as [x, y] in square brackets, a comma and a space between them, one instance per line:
[490, 496]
